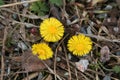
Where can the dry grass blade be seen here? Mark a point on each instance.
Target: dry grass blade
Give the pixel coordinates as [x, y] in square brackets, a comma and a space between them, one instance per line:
[18, 3]
[56, 53]
[26, 24]
[101, 38]
[31, 15]
[3, 52]
[67, 62]
[51, 71]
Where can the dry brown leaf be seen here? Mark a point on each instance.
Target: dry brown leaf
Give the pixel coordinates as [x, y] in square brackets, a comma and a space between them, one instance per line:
[32, 63]
[17, 59]
[105, 54]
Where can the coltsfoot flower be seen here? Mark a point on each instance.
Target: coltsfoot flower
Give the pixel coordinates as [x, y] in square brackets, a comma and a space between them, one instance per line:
[42, 50]
[80, 45]
[51, 30]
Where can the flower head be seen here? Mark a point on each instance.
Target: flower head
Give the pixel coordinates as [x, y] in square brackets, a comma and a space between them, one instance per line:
[42, 50]
[79, 44]
[51, 30]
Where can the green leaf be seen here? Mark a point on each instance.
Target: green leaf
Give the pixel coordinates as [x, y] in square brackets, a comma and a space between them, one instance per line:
[34, 7]
[116, 69]
[94, 66]
[1, 2]
[39, 7]
[56, 2]
[41, 13]
[44, 7]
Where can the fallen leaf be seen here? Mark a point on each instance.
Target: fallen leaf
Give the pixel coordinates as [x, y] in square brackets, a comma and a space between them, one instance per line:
[104, 54]
[17, 59]
[31, 62]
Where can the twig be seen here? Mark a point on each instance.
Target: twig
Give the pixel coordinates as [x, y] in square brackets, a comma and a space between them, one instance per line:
[24, 23]
[56, 54]
[104, 67]
[84, 76]
[18, 3]
[101, 38]
[76, 74]
[31, 16]
[51, 70]
[95, 72]
[3, 52]
[17, 22]
[67, 62]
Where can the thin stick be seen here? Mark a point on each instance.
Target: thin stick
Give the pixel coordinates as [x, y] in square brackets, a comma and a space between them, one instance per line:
[56, 54]
[51, 70]
[18, 3]
[22, 23]
[3, 52]
[69, 71]
[25, 15]
[101, 38]
[76, 74]
[95, 72]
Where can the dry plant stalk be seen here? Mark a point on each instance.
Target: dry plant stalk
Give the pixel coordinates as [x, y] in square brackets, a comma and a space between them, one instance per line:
[18, 3]
[3, 51]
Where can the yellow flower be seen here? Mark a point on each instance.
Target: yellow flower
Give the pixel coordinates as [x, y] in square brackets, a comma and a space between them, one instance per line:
[42, 50]
[79, 44]
[51, 30]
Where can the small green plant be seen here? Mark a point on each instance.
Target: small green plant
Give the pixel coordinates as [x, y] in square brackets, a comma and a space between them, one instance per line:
[56, 2]
[1, 2]
[94, 66]
[40, 8]
[116, 69]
